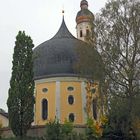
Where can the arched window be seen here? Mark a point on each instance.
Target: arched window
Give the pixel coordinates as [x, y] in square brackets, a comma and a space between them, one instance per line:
[44, 109]
[71, 117]
[94, 108]
[87, 32]
[81, 33]
[70, 99]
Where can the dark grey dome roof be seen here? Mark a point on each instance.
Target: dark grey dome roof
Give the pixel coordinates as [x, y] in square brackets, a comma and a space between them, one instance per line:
[56, 57]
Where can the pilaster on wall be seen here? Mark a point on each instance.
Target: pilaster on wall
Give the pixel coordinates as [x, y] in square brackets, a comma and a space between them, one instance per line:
[83, 85]
[58, 113]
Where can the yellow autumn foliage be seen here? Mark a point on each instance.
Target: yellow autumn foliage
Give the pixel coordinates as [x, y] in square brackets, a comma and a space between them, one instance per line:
[104, 120]
[96, 126]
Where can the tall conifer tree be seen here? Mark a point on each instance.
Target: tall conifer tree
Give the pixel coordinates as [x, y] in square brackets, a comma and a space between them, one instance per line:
[21, 92]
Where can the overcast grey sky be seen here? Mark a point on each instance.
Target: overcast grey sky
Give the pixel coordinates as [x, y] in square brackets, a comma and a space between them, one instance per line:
[40, 19]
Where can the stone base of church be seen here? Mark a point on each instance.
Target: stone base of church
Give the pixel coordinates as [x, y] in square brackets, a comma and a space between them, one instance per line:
[37, 131]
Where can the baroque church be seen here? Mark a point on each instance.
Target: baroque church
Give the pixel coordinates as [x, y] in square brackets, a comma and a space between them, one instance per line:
[59, 91]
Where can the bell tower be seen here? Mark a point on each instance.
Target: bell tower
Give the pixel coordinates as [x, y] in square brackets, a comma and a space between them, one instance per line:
[84, 20]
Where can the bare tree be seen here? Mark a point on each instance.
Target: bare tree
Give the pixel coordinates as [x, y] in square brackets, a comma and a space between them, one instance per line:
[118, 41]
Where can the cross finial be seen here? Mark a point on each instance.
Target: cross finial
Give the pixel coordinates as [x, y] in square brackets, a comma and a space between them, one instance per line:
[63, 11]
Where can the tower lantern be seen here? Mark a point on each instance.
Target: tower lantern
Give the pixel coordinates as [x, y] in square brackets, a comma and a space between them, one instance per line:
[84, 20]
[84, 4]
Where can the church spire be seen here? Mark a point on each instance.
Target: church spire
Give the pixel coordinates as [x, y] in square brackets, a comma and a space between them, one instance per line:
[63, 31]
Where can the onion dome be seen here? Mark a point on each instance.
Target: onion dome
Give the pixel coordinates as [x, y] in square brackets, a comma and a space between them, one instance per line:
[84, 4]
[57, 56]
[84, 15]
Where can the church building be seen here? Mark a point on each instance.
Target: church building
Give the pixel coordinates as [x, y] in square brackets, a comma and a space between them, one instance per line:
[59, 91]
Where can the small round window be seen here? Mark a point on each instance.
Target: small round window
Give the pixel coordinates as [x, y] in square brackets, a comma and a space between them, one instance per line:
[45, 90]
[93, 90]
[71, 117]
[70, 88]
[70, 99]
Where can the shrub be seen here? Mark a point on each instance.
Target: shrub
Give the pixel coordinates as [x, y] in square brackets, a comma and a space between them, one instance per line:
[93, 130]
[53, 130]
[66, 128]
[57, 131]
